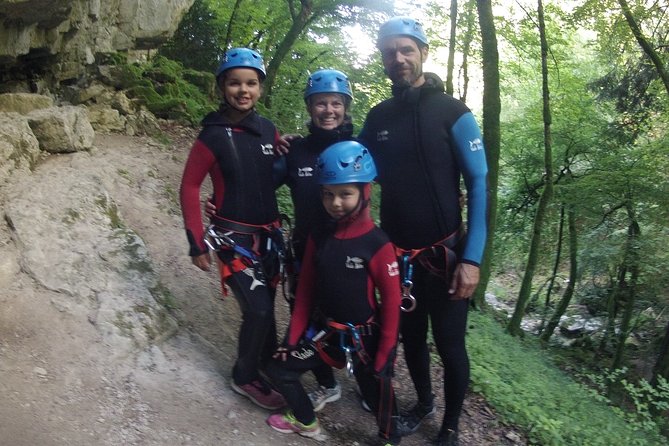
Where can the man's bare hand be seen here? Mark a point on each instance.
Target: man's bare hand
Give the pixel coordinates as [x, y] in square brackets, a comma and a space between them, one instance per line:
[465, 279]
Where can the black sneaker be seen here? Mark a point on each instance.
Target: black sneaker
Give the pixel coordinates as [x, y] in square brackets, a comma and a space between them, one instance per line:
[409, 422]
[449, 438]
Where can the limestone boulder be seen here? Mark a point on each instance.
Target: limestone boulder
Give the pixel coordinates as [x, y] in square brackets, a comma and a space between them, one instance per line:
[19, 148]
[82, 251]
[62, 129]
[24, 103]
[64, 37]
[105, 119]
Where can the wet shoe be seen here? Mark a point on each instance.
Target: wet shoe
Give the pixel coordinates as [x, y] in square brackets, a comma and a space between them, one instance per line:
[449, 438]
[410, 421]
[323, 395]
[286, 423]
[261, 394]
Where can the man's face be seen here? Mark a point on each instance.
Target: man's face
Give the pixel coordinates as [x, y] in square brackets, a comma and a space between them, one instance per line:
[403, 60]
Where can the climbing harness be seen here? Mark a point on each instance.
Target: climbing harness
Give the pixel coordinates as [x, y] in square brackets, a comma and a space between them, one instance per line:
[287, 265]
[408, 301]
[444, 248]
[350, 342]
[217, 241]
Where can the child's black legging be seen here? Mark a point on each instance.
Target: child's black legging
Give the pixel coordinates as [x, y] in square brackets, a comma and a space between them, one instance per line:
[449, 321]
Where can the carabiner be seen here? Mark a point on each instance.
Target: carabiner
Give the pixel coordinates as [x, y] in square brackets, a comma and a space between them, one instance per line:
[407, 297]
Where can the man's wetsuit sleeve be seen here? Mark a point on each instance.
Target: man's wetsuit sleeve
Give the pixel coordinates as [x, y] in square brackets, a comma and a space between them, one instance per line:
[470, 152]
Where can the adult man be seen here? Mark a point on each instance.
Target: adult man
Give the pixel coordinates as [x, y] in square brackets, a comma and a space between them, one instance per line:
[424, 141]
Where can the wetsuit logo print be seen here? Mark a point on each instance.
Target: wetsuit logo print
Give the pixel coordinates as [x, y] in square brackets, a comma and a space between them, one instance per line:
[252, 274]
[354, 262]
[267, 149]
[382, 135]
[476, 145]
[302, 354]
[305, 171]
[393, 269]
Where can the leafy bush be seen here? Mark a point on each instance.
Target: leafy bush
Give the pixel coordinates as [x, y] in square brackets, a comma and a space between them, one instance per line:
[169, 90]
[528, 390]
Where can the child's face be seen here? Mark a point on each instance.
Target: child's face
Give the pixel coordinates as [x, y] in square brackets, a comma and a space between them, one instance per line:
[241, 88]
[340, 200]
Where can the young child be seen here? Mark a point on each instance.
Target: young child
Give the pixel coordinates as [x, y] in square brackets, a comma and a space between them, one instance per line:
[345, 263]
[236, 149]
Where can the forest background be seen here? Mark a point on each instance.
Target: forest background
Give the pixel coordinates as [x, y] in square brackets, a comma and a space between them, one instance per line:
[573, 99]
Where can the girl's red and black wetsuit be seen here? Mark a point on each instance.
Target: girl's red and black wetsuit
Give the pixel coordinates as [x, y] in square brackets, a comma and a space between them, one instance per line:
[239, 159]
[342, 269]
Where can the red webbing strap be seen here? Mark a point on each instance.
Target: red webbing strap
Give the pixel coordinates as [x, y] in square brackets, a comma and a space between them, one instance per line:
[356, 341]
[244, 228]
[329, 360]
[450, 241]
[228, 269]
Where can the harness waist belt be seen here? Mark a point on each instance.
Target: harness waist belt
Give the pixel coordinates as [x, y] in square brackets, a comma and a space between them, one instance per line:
[363, 329]
[450, 242]
[243, 228]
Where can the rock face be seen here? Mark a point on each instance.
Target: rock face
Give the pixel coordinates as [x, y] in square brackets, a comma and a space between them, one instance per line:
[69, 236]
[49, 43]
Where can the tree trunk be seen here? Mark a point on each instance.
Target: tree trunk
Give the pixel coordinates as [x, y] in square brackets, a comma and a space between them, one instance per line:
[632, 262]
[300, 20]
[535, 244]
[491, 130]
[661, 368]
[561, 307]
[645, 45]
[233, 18]
[469, 18]
[556, 266]
[451, 48]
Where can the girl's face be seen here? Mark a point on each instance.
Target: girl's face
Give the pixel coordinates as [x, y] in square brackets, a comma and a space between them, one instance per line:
[340, 200]
[241, 88]
[327, 110]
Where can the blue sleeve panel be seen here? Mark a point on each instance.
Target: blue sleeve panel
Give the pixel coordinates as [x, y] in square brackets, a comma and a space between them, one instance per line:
[470, 152]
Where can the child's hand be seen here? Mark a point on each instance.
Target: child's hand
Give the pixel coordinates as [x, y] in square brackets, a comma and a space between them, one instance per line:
[281, 353]
[209, 208]
[284, 144]
[203, 261]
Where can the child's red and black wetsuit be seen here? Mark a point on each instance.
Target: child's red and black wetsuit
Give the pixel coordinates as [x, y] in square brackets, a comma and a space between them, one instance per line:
[341, 271]
[239, 159]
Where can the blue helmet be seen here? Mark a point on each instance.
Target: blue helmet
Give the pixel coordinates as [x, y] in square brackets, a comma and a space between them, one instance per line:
[328, 81]
[345, 162]
[402, 26]
[242, 58]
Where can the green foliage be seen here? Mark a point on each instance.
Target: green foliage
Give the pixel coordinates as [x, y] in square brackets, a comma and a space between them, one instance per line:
[168, 90]
[527, 390]
[199, 42]
[645, 401]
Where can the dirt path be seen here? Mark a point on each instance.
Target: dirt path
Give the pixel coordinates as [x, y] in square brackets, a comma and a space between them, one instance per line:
[60, 386]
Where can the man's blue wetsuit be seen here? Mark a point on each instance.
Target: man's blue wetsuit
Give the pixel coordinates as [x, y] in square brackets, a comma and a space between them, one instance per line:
[423, 142]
